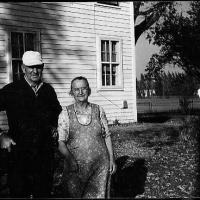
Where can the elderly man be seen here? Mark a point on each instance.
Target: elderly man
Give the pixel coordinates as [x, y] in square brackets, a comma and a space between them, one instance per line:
[32, 110]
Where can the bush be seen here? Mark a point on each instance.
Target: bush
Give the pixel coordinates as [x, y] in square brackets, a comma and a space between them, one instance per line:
[184, 103]
[190, 129]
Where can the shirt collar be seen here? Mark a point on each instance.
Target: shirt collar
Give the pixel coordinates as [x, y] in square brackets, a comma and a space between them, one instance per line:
[34, 87]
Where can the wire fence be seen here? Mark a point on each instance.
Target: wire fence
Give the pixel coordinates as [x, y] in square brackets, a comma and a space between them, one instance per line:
[160, 104]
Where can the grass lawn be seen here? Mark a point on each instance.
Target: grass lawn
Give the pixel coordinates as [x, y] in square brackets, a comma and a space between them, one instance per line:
[171, 164]
[152, 160]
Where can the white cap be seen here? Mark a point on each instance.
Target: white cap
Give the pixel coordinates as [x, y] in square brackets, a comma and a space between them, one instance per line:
[31, 58]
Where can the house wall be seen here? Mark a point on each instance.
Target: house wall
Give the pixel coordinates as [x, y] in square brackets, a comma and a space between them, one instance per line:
[68, 32]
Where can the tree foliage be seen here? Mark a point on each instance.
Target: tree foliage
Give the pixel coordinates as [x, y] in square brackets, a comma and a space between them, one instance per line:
[167, 84]
[179, 38]
[146, 13]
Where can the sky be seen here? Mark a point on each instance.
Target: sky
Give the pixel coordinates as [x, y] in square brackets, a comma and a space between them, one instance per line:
[144, 50]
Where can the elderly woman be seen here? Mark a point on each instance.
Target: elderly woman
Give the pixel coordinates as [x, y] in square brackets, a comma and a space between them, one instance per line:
[84, 140]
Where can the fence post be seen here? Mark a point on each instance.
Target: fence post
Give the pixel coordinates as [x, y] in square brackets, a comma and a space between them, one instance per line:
[150, 106]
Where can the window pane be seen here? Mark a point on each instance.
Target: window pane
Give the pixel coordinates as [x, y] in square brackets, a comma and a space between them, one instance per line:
[107, 80]
[107, 52]
[114, 68]
[105, 56]
[17, 71]
[103, 46]
[17, 44]
[114, 51]
[108, 57]
[103, 74]
[104, 69]
[114, 57]
[30, 41]
[107, 69]
[108, 75]
[114, 46]
[107, 46]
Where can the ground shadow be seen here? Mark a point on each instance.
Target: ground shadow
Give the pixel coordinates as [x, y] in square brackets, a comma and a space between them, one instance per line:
[129, 179]
[153, 118]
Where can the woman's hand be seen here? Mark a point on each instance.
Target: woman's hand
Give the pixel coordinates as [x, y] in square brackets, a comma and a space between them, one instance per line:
[71, 164]
[113, 167]
[54, 132]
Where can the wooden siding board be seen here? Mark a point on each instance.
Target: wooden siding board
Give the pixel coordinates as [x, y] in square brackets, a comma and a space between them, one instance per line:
[82, 22]
[67, 77]
[67, 5]
[71, 47]
[35, 16]
[41, 25]
[73, 57]
[68, 68]
[105, 25]
[73, 39]
[108, 18]
[36, 9]
[68, 61]
[116, 14]
[73, 42]
[109, 28]
[66, 34]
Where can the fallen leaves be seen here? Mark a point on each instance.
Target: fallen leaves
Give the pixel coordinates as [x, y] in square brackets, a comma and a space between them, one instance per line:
[172, 165]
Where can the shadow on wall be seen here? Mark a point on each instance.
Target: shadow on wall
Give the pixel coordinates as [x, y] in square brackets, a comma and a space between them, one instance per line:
[47, 18]
[53, 26]
[128, 181]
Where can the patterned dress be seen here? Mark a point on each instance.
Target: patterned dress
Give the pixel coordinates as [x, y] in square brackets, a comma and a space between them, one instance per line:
[86, 172]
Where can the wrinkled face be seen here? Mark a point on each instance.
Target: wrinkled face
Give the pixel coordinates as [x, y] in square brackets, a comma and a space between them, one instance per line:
[33, 73]
[80, 91]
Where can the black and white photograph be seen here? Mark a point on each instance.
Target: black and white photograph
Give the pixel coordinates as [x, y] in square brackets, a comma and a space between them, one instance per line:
[99, 100]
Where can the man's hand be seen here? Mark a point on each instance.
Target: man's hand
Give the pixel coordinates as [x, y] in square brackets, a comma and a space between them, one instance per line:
[6, 143]
[54, 133]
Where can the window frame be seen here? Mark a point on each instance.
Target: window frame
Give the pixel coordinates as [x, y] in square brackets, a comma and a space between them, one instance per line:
[109, 3]
[119, 85]
[9, 47]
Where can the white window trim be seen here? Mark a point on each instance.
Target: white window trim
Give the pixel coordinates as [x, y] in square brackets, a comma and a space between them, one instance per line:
[120, 86]
[8, 48]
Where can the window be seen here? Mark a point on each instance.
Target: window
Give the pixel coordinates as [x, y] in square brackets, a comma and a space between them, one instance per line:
[21, 42]
[113, 3]
[110, 66]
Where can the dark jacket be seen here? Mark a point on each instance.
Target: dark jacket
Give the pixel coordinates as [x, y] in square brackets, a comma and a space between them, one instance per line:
[30, 117]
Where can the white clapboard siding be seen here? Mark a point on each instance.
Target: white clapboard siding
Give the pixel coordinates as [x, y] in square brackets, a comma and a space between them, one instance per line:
[63, 67]
[68, 32]
[3, 121]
